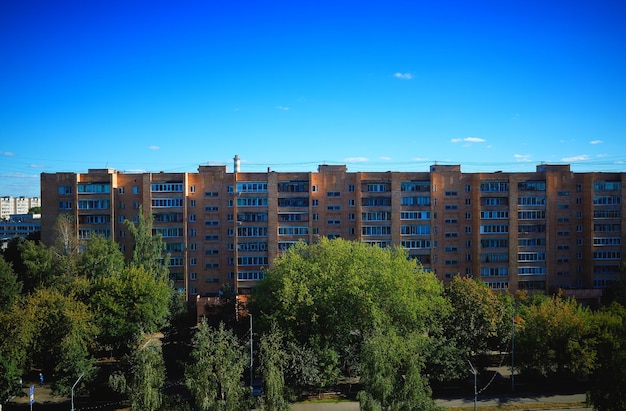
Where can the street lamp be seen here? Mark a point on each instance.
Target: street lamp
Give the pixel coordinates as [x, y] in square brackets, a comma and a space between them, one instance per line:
[251, 357]
[81, 376]
[475, 382]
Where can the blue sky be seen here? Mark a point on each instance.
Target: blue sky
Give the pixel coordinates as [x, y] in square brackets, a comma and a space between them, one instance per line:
[377, 85]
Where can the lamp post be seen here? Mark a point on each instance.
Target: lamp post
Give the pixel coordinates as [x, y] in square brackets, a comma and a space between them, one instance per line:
[251, 357]
[475, 382]
[81, 376]
[513, 351]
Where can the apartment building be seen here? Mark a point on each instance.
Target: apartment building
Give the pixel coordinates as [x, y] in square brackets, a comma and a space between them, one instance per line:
[17, 205]
[18, 225]
[538, 231]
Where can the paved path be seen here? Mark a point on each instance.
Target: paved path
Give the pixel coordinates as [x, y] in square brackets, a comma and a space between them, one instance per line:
[462, 402]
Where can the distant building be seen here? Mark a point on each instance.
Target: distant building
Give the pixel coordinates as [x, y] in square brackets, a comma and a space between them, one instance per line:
[537, 231]
[17, 205]
[18, 225]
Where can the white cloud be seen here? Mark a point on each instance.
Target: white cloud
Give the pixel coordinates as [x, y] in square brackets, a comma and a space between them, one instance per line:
[582, 157]
[596, 142]
[419, 159]
[154, 147]
[522, 158]
[356, 159]
[516, 116]
[37, 166]
[403, 76]
[282, 108]
[385, 158]
[7, 153]
[468, 140]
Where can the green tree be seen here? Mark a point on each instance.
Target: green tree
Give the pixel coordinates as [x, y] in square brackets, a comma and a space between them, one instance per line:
[608, 391]
[16, 336]
[101, 258]
[143, 378]
[330, 295]
[34, 210]
[479, 321]
[64, 336]
[391, 372]
[11, 287]
[148, 247]
[215, 374]
[555, 336]
[273, 360]
[129, 305]
[37, 261]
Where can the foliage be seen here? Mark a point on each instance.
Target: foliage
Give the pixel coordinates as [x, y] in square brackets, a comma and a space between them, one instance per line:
[130, 304]
[148, 248]
[330, 294]
[608, 392]
[215, 374]
[143, 378]
[273, 359]
[100, 258]
[63, 336]
[38, 265]
[555, 335]
[11, 287]
[34, 210]
[391, 367]
[480, 320]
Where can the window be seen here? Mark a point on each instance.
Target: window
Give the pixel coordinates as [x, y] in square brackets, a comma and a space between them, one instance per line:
[65, 205]
[167, 187]
[252, 202]
[193, 276]
[377, 188]
[252, 187]
[135, 190]
[192, 217]
[120, 190]
[415, 201]
[64, 190]
[293, 187]
[494, 186]
[494, 215]
[192, 203]
[94, 188]
[531, 186]
[193, 261]
[167, 202]
[607, 185]
[375, 230]
[494, 228]
[333, 194]
[192, 189]
[415, 229]
[411, 186]
[94, 204]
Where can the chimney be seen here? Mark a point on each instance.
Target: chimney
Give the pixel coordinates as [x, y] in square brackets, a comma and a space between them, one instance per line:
[237, 163]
